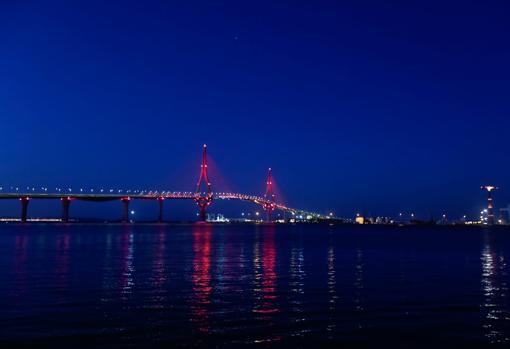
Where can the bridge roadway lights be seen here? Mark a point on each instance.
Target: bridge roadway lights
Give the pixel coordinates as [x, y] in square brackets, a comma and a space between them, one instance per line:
[160, 201]
[24, 208]
[65, 209]
[125, 211]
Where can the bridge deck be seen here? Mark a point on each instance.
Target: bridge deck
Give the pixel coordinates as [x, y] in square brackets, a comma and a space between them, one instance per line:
[103, 197]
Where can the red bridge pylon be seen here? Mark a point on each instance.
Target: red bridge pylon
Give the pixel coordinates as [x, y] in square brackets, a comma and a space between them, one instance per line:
[203, 200]
[270, 205]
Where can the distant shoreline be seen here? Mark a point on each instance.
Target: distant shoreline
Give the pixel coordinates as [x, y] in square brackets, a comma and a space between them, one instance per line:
[57, 222]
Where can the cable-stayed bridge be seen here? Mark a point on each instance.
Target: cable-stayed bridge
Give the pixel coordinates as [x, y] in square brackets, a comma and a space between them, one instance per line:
[202, 197]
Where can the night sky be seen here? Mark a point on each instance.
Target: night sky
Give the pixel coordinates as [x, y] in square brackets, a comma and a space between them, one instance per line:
[372, 107]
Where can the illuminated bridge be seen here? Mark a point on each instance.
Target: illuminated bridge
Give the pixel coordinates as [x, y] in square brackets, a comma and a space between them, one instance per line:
[203, 198]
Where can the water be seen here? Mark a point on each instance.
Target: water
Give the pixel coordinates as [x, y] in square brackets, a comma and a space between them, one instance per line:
[106, 286]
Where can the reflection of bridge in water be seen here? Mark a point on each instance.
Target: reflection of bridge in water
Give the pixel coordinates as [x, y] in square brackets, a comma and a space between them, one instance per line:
[203, 198]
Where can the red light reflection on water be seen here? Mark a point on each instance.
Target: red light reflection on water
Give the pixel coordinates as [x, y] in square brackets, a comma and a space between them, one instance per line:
[201, 277]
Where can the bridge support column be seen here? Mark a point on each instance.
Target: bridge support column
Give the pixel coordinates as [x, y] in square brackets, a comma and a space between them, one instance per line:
[125, 210]
[202, 203]
[65, 209]
[202, 213]
[269, 215]
[160, 202]
[24, 208]
[269, 208]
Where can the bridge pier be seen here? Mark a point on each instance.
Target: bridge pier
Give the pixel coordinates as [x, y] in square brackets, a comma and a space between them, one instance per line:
[269, 208]
[160, 202]
[202, 203]
[24, 208]
[65, 209]
[202, 213]
[125, 209]
[269, 215]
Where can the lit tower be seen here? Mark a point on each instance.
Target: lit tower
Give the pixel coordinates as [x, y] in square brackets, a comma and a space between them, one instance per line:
[203, 199]
[270, 197]
[490, 203]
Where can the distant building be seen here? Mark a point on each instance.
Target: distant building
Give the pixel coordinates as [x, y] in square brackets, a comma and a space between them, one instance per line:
[504, 215]
[219, 218]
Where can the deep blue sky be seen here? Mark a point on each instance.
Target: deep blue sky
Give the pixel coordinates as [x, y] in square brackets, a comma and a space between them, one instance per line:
[359, 106]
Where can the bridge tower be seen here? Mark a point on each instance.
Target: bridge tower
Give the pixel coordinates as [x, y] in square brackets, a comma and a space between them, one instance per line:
[203, 200]
[270, 197]
[490, 203]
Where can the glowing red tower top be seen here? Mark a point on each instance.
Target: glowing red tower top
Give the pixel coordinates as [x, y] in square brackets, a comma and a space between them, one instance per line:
[203, 173]
[269, 195]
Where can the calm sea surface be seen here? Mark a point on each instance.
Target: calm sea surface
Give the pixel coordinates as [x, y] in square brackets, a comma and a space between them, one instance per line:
[82, 286]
